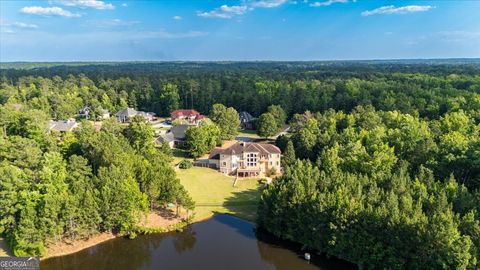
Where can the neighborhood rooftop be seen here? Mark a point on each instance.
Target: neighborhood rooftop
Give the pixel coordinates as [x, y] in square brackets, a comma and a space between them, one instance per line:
[62, 125]
[242, 147]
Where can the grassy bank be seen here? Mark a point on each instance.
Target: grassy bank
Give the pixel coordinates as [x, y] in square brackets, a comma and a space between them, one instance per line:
[214, 192]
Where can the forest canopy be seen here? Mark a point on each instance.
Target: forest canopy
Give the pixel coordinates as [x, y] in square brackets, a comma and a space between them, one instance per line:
[382, 162]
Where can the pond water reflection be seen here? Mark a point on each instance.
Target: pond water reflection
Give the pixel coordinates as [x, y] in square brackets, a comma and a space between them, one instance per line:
[222, 242]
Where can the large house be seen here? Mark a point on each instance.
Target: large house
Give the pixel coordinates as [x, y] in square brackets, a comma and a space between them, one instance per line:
[246, 159]
[175, 137]
[62, 125]
[191, 116]
[246, 120]
[126, 115]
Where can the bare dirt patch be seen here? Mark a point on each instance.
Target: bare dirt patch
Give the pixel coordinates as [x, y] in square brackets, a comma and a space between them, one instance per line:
[160, 218]
[67, 247]
[157, 218]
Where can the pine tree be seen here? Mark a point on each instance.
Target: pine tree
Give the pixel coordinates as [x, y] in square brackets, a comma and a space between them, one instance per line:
[288, 157]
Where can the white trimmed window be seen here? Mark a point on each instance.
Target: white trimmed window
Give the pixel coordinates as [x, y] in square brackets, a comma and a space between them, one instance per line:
[252, 159]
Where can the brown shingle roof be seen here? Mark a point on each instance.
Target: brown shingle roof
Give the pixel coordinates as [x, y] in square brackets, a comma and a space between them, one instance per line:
[262, 148]
[178, 113]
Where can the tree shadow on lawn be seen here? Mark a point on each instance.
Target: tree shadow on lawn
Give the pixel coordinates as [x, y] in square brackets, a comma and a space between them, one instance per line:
[244, 203]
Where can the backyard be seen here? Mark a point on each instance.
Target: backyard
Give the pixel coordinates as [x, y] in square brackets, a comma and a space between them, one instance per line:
[214, 192]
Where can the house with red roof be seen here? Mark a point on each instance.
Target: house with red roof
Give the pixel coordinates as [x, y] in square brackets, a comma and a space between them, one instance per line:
[191, 116]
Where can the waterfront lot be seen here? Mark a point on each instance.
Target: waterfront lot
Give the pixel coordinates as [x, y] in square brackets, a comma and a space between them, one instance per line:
[214, 192]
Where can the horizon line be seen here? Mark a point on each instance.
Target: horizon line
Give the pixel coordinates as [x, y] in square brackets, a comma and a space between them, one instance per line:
[240, 61]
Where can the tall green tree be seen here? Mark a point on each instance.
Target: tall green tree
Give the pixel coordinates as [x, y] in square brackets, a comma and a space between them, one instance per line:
[288, 157]
[140, 135]
[202, 139]
[266, 125]
[82, 217]
[227, 120]
[279, 114]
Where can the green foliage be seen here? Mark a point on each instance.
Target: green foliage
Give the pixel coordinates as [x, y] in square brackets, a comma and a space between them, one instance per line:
[140, 135]
[266, 125]
[288, 157]
[388, 190]
[396, 148]
[226, 119]
[202, 139]
[169, 99]
[279, 115]
[185, 164]
[81, 183]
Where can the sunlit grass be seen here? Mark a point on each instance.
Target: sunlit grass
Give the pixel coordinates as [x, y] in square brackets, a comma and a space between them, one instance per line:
[214, 192]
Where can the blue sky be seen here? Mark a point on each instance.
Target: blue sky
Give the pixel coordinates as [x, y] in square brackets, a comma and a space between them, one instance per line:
[93, 30]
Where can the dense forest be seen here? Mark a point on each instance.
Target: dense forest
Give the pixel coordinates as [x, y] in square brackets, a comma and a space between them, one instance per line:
[70, 186]
[382, 165]
[385, 190]
[427, 90]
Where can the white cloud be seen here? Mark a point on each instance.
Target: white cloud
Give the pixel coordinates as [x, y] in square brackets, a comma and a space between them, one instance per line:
[228, 12]
[110, 23]
[459, 36]
[24, 25]
[224, 12]
[162, 34]
[6, 27]
[268, 3]
[6, 30]
[327, 3]
[396, 10]
[177, 17]
[96, 4]
[124, 5]
[49, 11]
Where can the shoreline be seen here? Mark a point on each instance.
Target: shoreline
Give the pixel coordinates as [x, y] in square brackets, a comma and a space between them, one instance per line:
[106, 236]
[157, 221]
[66, 248]
[77, 245]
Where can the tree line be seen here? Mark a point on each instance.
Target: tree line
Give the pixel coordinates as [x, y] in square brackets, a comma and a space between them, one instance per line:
[381, 167]
[426, 90]
[68, 186]
[383, 189]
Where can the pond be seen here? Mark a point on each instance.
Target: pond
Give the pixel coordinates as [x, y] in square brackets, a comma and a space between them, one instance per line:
[222, 242]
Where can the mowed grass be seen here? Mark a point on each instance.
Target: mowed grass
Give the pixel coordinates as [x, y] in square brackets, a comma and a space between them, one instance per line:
[248, 133]
[179, 155]
[214, 192]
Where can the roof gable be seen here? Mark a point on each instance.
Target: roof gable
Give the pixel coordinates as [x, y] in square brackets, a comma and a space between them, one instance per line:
[262, 148]
[179, 131]
[184, 112]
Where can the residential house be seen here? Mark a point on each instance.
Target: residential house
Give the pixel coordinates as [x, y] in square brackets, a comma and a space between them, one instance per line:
[126, 115]
[175, 137]
[191, 116]
[105, 114]
[246, 159]
[62, 125]
[85, 112]
[246, 120]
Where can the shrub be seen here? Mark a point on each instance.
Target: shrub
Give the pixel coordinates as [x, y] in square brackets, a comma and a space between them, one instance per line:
[185, 164]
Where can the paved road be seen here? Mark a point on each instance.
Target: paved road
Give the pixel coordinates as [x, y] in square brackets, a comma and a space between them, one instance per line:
[284, 132]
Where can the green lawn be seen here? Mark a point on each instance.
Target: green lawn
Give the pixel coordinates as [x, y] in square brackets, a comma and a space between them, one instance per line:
[248, 133]
[179, 155]
[214, 192]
